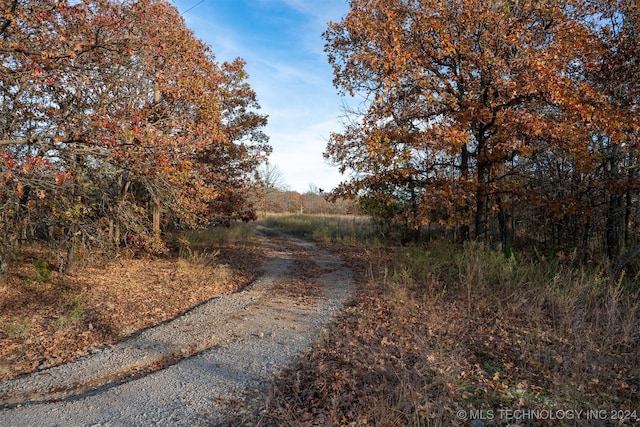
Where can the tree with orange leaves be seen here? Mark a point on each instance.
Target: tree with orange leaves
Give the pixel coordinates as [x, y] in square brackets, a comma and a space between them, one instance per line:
[460, 98]
[116, 119]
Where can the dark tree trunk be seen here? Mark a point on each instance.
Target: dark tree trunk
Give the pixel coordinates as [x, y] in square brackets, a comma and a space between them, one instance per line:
[614, 226]
[506, 232]
[481, 202]
[464, 171]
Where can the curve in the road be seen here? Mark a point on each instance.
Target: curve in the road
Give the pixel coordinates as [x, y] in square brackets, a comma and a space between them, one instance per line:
[184, 372]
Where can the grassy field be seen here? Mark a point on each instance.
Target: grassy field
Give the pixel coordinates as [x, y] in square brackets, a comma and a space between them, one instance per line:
[443, 334]
[348, 230]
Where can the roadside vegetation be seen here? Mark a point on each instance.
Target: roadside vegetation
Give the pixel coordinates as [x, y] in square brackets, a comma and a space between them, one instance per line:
[450, 334]
[438, 333]
[48, 318]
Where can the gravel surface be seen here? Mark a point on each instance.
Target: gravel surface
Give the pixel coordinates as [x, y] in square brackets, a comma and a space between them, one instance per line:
[191, 370]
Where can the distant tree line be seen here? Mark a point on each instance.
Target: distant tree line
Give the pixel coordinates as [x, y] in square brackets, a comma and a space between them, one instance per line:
[115, 123]
[503, 121]
[272, 195]
[309, 203]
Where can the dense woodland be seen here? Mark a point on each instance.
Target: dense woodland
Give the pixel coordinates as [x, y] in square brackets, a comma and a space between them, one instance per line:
[502, 121]
[116, 122]
[507, 121]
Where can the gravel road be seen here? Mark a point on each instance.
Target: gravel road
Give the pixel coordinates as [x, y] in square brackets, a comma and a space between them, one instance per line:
[191, 370]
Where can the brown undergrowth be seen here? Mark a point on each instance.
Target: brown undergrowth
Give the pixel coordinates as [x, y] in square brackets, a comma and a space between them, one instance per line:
[449, 336]
[47, 318]
[436, 335]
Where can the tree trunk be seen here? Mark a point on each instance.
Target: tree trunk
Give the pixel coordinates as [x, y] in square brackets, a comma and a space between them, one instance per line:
[73, 249]
[614, 225]
[627, 218]
[4, 268]
[114, 232]
[464, 172]
[482, 190]
[506, 232]
[156, 217]
[615, 211]
[481, 202]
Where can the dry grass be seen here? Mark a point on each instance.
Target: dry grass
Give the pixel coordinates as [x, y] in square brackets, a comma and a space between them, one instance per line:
[344, 229]
[47, 318]
[442, 331]
[434, 331]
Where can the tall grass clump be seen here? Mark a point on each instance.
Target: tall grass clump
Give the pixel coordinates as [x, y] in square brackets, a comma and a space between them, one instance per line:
[592, 315]
[576, 300]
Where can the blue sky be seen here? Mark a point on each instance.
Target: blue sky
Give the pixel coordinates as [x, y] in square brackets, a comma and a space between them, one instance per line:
[281, 41]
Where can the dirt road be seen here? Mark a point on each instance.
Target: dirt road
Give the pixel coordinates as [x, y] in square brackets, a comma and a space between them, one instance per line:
[193, 369]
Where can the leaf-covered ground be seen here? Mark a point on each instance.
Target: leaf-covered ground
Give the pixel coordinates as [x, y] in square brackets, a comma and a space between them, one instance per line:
[412, 356]
[47, 318]
[414, 347]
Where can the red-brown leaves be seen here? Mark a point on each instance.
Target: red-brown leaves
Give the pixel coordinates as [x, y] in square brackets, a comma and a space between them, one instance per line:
[116, 106]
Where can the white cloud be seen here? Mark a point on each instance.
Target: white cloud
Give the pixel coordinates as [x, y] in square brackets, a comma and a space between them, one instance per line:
[300, 156]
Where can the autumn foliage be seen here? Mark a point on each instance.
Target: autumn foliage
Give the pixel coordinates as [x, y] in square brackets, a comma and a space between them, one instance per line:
[117, 122]
[496, 118]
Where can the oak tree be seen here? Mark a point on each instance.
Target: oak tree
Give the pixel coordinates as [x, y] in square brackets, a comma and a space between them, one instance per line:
[115, 119]
[463, 101]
